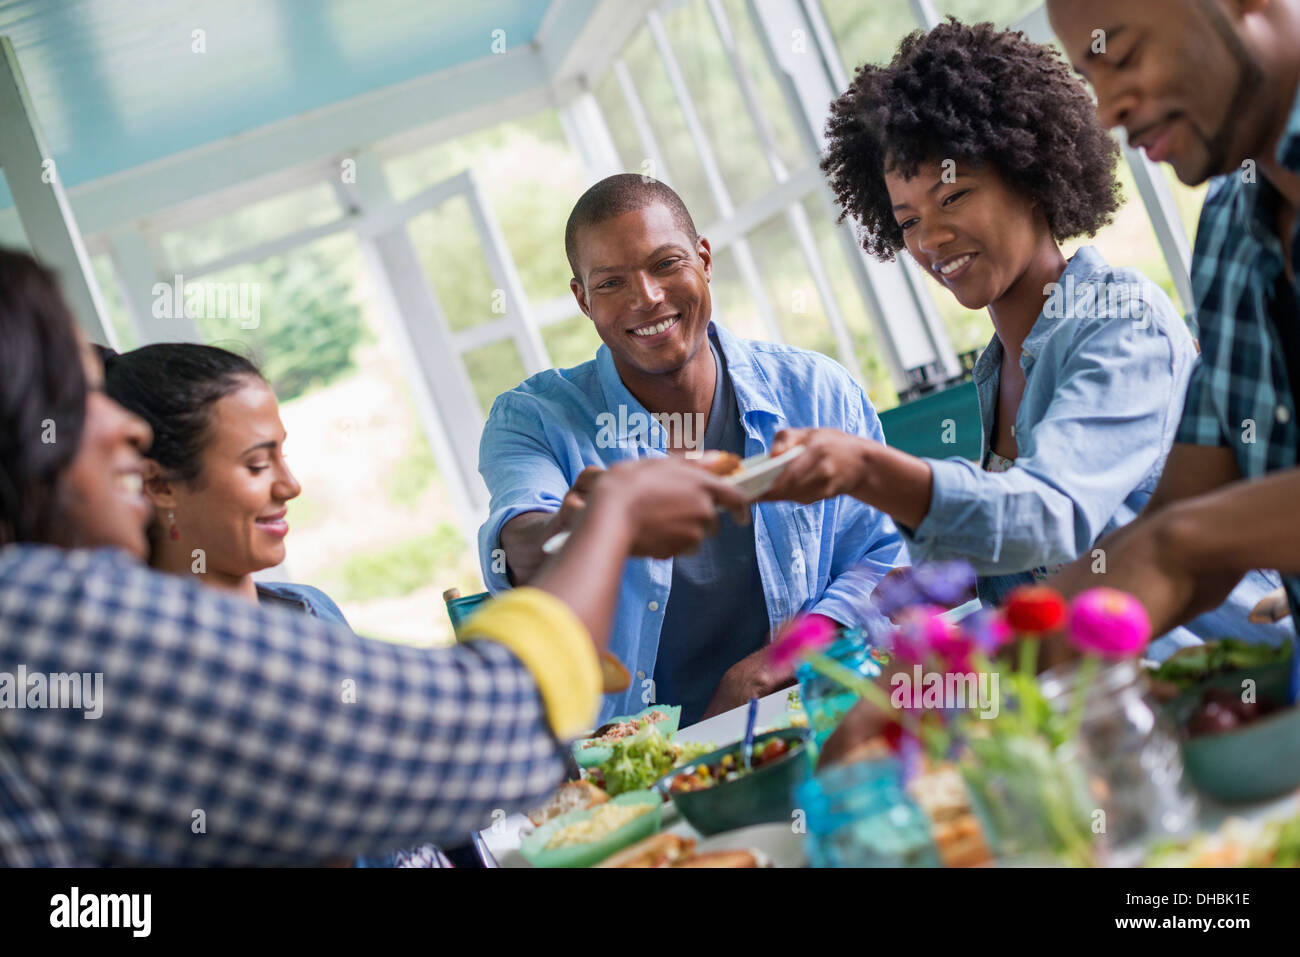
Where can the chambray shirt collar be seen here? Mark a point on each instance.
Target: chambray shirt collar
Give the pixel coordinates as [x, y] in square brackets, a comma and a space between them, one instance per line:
[1082, 265]
[754, 393]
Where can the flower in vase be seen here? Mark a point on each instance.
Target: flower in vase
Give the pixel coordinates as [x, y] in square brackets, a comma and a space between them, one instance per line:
[1035, 610]
[1109, 622]
[988, 630]
[951, 643]
[802, 636]
[895, 592]
[910, 642]
[946, 584]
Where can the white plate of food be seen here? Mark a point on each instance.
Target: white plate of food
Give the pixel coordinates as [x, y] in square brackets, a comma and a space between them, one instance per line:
[753, 476]
[758, 473]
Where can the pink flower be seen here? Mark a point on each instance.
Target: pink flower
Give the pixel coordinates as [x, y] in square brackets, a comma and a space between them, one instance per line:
[801, 636]
[950, 643]
[911, 640]
[1109, 623]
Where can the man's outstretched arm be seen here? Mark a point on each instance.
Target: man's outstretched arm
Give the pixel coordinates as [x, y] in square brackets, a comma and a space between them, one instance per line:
[1172, 556]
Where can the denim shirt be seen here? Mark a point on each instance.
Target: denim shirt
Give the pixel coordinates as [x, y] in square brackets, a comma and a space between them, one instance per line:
[824, 558]
[304, 598]
[1106, 368]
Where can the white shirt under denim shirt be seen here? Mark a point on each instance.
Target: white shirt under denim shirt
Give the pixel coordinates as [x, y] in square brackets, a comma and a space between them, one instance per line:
[1106, 368]
[825, 557]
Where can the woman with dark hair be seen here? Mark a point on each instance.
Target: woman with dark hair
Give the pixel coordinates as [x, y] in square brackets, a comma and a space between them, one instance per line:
[233, 734]
[216, 472]
[979, 153]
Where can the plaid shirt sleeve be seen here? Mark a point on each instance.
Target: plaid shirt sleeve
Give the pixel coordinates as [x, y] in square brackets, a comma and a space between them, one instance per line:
[1200, 423]
[232, 734]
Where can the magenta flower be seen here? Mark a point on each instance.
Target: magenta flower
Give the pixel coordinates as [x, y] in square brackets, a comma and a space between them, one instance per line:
[951, 643]
[1109, 623]
[802, 636]
[911, 639]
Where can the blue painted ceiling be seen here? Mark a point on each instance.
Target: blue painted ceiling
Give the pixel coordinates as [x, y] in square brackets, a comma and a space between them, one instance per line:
[117, 83]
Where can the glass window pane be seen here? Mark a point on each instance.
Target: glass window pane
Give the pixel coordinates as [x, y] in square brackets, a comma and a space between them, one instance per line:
[1131, 240]
[529, 178]
[106, 276]
[256, 223]
[448, 246]
[1001, 12]
[789, 146]
[613, 106]
[493, 369]
[685, 172]
[571, 342]
[296, 314]
[868, 32]
[866, 346]
[799, 310]
[732, 302]
[716, 95]
[1190, 199]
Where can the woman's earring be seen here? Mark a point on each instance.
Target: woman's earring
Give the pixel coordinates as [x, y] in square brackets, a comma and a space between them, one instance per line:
[175, 532]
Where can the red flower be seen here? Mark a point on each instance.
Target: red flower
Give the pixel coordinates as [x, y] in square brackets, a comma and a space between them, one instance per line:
[1035, 609]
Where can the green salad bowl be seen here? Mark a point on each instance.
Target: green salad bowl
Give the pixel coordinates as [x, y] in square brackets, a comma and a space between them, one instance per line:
[534, 850]
[1261, 759]
[764, 796]
[598, 754]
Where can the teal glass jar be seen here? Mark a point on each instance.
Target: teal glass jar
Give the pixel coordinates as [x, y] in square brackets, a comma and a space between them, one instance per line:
[825, 701]
[858, 815]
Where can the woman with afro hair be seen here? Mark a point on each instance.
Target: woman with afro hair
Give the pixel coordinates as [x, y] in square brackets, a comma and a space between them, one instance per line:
[978, 152]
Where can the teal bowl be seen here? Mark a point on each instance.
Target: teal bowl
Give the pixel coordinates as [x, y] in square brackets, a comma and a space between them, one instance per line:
[1259, 761]
[765, 796]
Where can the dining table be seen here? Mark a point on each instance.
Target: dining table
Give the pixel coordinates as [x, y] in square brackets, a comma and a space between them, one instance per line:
[499, 842]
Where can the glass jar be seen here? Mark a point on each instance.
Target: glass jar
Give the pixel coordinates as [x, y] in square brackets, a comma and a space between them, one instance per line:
[825, 701]
[1031, 800]
[858, 815]
[1130, 755]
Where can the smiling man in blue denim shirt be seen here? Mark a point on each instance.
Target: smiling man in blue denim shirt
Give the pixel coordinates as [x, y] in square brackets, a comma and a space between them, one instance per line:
[670, 381]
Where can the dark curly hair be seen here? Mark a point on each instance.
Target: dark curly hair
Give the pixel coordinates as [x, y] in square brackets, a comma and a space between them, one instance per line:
[978, 95]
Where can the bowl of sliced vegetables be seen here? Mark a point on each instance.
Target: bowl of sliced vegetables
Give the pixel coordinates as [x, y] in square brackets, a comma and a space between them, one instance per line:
[716, 793]
[586, 837]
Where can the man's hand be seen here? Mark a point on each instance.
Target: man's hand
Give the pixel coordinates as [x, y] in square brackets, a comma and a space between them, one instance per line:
[671, 505]
[1272, 607]
[751, 677]
[656, 508]
[575, 500]
[524, 535]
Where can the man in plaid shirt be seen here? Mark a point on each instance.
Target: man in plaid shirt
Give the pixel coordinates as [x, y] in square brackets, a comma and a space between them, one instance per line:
[1212, 89]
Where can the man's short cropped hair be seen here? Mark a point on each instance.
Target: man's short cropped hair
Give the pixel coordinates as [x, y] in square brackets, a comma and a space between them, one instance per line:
[615, 195]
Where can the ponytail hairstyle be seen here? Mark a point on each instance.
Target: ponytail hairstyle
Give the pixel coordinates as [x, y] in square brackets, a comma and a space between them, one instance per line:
[173, 386]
